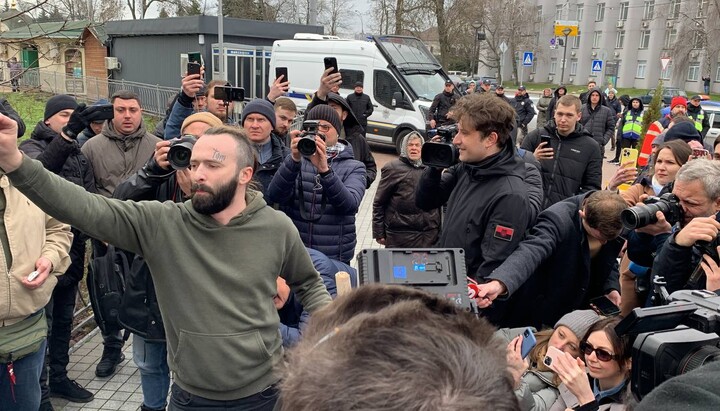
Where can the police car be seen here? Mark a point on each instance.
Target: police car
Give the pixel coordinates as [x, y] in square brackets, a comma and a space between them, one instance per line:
[712, 109]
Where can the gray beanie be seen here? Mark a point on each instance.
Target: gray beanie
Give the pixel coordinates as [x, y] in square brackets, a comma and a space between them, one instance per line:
[262, 107]
[327, 113]
[579, 321]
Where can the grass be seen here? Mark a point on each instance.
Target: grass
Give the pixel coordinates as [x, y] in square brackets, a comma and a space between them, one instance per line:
[30, 105]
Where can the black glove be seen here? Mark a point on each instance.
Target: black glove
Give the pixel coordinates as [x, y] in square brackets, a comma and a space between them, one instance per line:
[77, 122]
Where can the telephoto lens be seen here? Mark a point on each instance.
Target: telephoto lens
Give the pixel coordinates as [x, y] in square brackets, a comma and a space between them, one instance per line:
[645, 214]
[306, 146]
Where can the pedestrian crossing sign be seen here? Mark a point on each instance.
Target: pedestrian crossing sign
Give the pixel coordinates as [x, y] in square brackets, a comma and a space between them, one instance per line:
[597, 65]
[527, 59]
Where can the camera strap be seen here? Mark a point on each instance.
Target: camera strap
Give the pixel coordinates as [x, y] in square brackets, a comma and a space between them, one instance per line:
[304, 214]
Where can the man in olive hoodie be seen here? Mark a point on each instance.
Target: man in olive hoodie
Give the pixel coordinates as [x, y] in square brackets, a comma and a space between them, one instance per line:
[214, 259]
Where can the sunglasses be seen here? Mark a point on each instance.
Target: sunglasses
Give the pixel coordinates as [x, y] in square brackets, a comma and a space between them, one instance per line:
[600, 353]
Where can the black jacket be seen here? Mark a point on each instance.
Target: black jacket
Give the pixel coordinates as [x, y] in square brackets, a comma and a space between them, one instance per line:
[7, 109]
[600, 120]
[524, 109]
[551, 272]
[361, 106]
[577, 166]
[440, 106]
[553, 102]
[614, 105]
[265, 171]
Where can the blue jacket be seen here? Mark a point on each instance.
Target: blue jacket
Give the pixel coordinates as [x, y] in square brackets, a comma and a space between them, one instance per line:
[181, 110]
[329, 203]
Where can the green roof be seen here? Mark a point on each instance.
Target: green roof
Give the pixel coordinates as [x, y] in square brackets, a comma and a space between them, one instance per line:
[51, 30]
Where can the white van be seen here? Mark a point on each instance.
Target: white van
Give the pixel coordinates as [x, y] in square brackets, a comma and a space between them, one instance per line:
[399, 74]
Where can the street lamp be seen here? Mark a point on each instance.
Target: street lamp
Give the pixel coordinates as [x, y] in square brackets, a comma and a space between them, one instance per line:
[476, 49]
[566, 32]
[362, 24]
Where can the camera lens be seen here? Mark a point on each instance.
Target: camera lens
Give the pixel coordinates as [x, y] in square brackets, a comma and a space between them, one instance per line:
[547, 361]
[642, 215]
[306, 146]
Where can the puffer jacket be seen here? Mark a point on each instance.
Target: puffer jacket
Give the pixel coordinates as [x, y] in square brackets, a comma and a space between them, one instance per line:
[396, 218]
[323, 208]
[600, 120]
[576, 168]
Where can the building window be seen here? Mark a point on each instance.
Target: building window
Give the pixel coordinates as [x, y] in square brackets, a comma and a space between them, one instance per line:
[670, 38]
[701, 8]
[597, 39]
[559, 11]
[641, 67]
[576, 41]
[648, 9]
[619, 39]
[600, 16]
[573, 67]
[694, 72]
[717, 74]
[674, 9]
[539, 17]
[579, 12]
[697, 41]
[666, 74]
[384, 88]
[624, 10]
[644, 39]
[553, 66]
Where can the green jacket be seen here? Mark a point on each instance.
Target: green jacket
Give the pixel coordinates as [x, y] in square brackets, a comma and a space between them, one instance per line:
[214, 283]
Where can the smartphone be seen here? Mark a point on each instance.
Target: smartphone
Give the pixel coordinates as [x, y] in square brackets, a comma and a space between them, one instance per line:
[700, 153]
[628, 155]
[603, 306]
[546, 140]
[193, 68]
[195, 57]
[552, 355]
[228, 93]
[528, 342]
[331, 62]
[281, 71]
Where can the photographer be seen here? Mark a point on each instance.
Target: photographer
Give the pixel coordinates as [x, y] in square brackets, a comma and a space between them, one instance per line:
[487, 201]
[321, 193]
[697, 186]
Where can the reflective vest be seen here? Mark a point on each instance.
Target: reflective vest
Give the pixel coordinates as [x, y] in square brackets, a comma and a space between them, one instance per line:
[632, 126]
[699, 120]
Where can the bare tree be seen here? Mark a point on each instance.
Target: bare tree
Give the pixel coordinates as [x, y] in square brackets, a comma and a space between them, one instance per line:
[139, 8]
[335, 15]
[94, 10]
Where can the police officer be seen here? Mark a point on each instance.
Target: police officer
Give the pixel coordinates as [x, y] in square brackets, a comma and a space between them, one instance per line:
[695, 112]
[441, 105]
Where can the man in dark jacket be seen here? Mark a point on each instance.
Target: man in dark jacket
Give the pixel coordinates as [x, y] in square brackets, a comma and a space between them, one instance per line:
[585, 94]
[7, 109]
[361, 105]
[698, 115]
[321, 193]
[568, 258]
[441, 105]
[487, 204]
[61, 155]
[500, 92]
[559, 92]
[571, 164]
[525, 112]
[598, 118]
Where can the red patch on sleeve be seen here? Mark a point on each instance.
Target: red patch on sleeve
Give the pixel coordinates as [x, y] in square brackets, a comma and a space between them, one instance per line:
[504, 233]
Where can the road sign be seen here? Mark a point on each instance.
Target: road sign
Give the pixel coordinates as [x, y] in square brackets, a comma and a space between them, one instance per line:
[553, 41]
[503, 47]
[528, 59]
[597, 65]
[561, 25]
[665, 61]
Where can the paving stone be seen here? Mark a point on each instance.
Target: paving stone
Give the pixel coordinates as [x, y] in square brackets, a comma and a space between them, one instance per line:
[104, 394]
[113, 405]
[120, 396]
[130, 406]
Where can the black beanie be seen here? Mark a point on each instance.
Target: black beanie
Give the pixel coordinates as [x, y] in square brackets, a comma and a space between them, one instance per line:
[59, 103]
[684, 130]
[262, 107]
[327, 113]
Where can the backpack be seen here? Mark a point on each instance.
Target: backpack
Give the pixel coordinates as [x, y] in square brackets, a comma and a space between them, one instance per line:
[106, 285]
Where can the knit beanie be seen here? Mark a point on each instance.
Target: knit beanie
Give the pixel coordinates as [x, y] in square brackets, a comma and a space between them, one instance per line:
[59, 103]
[677, 100]
[202, 117]
[578, 321]
[327, 113]
[262, 107]
[684, 130]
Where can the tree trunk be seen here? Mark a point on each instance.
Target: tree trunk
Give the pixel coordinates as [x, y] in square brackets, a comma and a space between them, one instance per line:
[399, 5]
[442, 31]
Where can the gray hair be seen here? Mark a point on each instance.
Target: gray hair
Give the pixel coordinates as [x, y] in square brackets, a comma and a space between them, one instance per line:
[704, 170]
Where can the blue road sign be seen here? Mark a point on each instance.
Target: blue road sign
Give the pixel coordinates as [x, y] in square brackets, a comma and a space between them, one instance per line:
[528, 59]
[597, 65]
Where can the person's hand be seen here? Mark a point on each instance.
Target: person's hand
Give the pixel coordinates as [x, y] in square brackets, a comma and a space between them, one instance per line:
[712, 272]
[544, 152]
[319, 158]
[698, 229]
[278, 88]
[191, 84]
[328, 82]
[43, 266]
[625, 174]
[294, 139]
[614, 297]
[432, 124]
[10, 155]
[184, 180]
[380, 241]
[660, 227]
[516, 364]
[161, 154]
[488, 292]
[572, 373]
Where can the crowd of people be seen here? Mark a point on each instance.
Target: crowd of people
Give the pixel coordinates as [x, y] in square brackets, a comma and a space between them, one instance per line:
[231, 258]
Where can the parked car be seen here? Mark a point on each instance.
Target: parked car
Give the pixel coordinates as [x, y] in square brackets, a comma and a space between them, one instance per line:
[712, 110]
[668, 94]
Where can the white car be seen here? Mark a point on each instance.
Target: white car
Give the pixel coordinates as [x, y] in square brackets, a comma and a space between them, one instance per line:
[712, 110]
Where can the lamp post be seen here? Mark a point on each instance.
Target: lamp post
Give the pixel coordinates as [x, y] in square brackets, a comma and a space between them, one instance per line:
[362, 24]
[476, 50]
[566, 32]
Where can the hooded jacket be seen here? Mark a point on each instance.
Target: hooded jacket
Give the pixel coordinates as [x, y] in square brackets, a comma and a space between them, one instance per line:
[577, 166]
[553, 102]
[396, 218]
[631, 115]
[600, 120]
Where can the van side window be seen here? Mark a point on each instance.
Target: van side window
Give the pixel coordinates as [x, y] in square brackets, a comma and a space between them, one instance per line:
[350, 77]
[384, 87]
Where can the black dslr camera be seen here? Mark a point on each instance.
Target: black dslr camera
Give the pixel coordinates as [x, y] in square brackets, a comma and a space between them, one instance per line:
[306, 146]
[441, 154]
[180, 152]
[641, 215]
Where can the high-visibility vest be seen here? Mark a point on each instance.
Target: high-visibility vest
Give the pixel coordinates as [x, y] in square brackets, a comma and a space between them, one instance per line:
[699, 120]
[632, 127]
[653, 131]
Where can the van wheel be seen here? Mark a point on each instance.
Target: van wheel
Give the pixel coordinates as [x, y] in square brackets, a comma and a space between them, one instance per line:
[399, 139]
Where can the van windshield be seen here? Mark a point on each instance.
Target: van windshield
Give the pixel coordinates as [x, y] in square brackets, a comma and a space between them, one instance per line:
[425, 85]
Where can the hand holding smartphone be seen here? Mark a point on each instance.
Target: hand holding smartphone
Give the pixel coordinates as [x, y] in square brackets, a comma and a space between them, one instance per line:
[552, 355]
[281, 71]
[528, 342]
[603, 306]
[331, 62]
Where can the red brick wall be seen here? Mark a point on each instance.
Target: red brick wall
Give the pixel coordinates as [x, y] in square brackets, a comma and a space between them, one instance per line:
[95, 53]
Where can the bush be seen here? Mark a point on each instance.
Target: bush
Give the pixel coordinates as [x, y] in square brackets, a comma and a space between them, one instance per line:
[652, 111]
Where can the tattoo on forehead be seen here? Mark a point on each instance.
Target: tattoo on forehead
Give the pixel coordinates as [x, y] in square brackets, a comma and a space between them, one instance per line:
[218, 156]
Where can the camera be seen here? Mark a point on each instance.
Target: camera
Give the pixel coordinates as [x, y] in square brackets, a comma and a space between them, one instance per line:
[228, 93]
[180, 152]
[641, 215]
[441, 154]
[306, 146]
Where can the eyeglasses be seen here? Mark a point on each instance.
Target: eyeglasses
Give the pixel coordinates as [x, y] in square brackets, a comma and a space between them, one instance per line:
[600, 353]
[324, 127]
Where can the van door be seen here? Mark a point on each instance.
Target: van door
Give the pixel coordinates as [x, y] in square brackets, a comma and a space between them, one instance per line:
[385, 118]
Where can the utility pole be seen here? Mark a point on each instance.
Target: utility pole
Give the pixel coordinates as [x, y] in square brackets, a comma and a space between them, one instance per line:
[566, 32]
[221, 45]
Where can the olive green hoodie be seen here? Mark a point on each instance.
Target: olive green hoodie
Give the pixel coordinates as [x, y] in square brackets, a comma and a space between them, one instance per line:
[214, 283]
